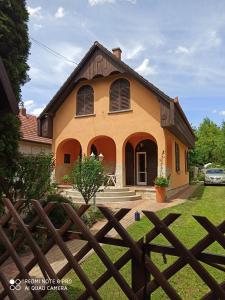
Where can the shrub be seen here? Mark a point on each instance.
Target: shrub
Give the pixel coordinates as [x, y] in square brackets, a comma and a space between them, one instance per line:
[87, 176]
[32, 179]
[201, 177]
[58, 216]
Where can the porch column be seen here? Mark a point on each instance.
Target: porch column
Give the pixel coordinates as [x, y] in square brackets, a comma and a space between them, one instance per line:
[119, 166]
[162, 157]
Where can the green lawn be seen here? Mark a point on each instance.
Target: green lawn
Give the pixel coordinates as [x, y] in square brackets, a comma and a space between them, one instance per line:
[207, 201]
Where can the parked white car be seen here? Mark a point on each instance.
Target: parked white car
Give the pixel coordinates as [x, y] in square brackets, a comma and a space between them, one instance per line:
[214, 177]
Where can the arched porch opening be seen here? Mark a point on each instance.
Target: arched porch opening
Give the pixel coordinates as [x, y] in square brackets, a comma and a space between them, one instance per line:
[68, 151]
[141, 159]
[106, 146]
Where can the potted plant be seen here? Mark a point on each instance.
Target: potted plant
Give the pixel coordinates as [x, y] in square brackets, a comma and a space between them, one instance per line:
[66, 179]
[161, 183]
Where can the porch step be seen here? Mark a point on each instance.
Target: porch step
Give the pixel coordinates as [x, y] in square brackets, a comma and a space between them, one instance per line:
[108, 199]
[106, 193]
[106, 196]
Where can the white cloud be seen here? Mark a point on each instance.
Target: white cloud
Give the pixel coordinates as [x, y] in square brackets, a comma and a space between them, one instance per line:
[32, 107]
[206, 41]
[214, 111]
[222, 113]
[28, 104]
[97, 2]
[34, 72]
[72, 52]
[213, 39]
[183, 50]
[60, 13]
[133, 53]
[36, 111]
[37, 26]
[35, 12]
[145, 68]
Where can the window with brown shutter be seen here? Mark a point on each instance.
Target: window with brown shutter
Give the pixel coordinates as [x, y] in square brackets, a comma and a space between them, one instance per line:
[177, 157]
[85, 101]
[186, 161]
[119, 95]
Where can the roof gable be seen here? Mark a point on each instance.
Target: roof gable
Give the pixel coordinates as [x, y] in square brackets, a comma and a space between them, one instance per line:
[98, 62]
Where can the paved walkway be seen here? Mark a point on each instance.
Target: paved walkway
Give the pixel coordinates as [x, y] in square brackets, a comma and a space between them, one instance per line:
[57, 259]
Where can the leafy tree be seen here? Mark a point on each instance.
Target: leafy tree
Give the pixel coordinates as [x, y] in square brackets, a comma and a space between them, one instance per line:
[210, 144]
[88, 175]
[14, 42]
[9, 151]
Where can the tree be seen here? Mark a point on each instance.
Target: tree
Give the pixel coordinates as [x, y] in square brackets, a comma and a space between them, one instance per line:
[208, 147]
[14, 42]
[88, 175]
[9, 150]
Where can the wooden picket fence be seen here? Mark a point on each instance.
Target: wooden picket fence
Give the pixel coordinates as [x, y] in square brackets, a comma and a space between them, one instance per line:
[145, 275]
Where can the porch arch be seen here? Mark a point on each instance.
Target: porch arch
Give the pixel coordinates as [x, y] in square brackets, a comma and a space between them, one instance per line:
[67, 153]
[106, 146]
[140, 159]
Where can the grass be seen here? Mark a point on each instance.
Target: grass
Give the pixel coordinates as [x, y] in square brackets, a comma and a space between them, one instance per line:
[206, 201]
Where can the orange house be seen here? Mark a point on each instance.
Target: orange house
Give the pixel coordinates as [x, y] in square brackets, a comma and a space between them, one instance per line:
[106, 108]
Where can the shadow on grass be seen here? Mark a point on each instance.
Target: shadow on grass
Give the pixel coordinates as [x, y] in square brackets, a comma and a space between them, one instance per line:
[198, 193]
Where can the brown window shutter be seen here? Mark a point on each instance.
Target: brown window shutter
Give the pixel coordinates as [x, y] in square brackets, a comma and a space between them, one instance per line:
[85, 100]
[119, 95]
[177, 157]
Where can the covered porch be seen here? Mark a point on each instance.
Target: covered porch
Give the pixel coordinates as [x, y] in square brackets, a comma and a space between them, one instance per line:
[133, 162]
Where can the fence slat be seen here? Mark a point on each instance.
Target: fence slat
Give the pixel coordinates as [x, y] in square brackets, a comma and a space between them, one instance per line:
[42, 261]
[187, 254]
[100, 252]
[65, 250]
[145, 275]
[5, 284]
[137, 253]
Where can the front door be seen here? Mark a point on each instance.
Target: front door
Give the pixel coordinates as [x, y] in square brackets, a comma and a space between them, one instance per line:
[141, 168]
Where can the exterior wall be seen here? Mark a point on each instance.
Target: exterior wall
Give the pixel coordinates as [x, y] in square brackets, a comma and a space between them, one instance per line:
[177, 178]
[71, 147]
[26, 147]
[144, 116]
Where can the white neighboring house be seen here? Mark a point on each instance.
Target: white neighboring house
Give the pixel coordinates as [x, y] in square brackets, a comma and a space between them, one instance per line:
[30, 142]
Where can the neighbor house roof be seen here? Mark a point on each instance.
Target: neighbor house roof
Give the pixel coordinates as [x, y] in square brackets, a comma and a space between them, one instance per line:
[29, 128]
[8, 100]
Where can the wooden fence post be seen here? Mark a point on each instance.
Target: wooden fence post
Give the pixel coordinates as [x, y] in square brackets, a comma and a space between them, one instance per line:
[140, 276]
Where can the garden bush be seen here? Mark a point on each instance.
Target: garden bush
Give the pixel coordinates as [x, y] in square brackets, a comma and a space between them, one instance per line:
[88, 175]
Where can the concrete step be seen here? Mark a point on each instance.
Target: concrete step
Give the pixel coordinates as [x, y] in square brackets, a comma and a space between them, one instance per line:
[79, 199]
[114, 189]
[106, 193]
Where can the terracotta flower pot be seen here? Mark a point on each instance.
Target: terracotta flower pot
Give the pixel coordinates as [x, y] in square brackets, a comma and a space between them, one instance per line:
[160, 194]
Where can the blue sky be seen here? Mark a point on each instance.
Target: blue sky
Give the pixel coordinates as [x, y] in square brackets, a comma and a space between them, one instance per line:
[177, 45]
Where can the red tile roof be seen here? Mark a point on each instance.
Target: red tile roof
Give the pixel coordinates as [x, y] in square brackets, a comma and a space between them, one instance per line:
[29, 128]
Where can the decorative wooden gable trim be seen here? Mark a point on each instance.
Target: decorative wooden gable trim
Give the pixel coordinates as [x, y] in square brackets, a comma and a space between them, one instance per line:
[99, 65]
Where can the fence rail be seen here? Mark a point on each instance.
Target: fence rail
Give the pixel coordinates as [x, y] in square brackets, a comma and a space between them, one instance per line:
[145, 274]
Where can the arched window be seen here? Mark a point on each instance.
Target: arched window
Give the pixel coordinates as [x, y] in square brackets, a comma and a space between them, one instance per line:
[119, 95]
[85, 101]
